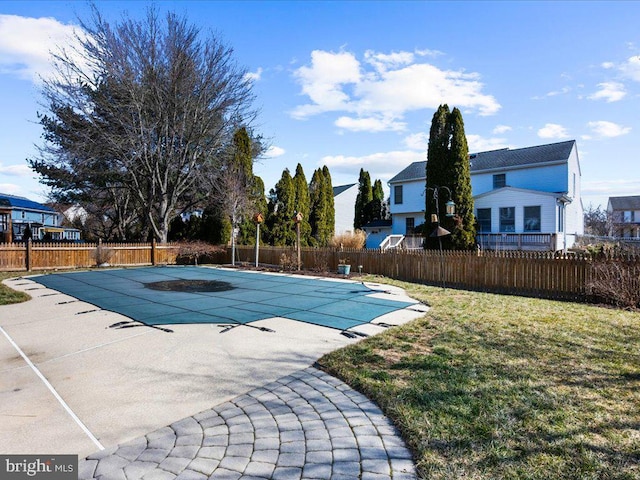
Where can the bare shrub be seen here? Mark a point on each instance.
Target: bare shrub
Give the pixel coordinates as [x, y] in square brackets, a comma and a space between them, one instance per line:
[102, 255]
[193, 252]
[356, 239]
[617, 282]
[289, 261]
[320, 260]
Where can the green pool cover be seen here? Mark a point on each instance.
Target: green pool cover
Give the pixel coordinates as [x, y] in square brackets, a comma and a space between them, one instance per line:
[222, 296]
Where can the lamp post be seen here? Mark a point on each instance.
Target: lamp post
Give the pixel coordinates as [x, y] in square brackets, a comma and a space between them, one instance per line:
[258, 218]
[450, 211]
[298, 218]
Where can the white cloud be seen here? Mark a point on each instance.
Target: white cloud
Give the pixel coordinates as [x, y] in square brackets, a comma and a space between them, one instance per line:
[10, 188]
[322, 82]
[553, 130]
[417, 141]
[604, 129]
[370, 124]
[254, 76]
[500, 129]
[273, 152]
[26, 43]
[22, 170]
[477, 143]
[553, 93]
[609, 91]
[631, 68]
[383, 165]
[607, 65]
[385, 87]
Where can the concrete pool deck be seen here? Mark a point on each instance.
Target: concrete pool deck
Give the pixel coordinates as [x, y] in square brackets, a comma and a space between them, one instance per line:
[71, 384]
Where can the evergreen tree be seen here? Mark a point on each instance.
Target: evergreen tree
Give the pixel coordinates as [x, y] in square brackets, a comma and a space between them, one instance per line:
[375, 209]
[448, 166]
[317, 215]
[329, 225]
[463, 236]
[365, 196]
[281, 211]
[302, 204]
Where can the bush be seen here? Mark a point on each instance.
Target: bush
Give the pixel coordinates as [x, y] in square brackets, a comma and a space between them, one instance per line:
[355, 239]
[616, 282]
[193, 252]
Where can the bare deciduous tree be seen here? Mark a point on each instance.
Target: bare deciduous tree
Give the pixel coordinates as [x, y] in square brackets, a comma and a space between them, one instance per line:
[144, 106]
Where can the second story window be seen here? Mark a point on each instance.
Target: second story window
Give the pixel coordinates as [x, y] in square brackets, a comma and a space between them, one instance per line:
[499, 180]
[397, 195]
[628, 216]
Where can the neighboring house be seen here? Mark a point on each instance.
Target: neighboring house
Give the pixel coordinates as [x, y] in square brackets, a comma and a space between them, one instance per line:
[624, 213]
[344, 202]
[19, 215]
[525, 198]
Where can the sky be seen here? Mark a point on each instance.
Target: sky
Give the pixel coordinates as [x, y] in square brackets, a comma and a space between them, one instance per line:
[354, 84]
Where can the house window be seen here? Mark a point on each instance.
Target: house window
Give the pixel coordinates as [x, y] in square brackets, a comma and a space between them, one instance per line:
[499, 180]
[628, 216]
[484, 220]
[397, 194]
[410, 225]
[532, 219]
[561, 218]
[507, 219]
[42, 219]
[23, 214]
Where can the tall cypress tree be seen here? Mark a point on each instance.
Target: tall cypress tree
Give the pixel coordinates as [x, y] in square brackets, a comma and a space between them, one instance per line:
[437, 158]
[281, 210]
[318, 213]
[329, 225]
[365, 195]
[463, 236]
[302, 204]
[448, 166]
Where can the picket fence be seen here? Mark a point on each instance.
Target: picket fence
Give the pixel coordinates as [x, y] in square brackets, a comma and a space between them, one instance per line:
[51, 256]
[539, 274]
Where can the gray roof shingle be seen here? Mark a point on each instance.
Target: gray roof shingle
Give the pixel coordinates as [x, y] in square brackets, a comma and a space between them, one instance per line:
[625, 203]
[497, 159]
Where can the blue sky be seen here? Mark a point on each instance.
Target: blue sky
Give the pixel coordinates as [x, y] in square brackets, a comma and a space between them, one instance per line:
[354, 84]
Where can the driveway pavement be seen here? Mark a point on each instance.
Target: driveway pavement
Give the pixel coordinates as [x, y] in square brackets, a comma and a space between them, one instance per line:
[192, 402]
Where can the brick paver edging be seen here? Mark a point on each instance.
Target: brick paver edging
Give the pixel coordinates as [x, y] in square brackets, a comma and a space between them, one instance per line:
[307, 425]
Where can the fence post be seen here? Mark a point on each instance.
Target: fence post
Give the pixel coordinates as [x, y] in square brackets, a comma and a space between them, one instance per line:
[153, 252]
[28, 255]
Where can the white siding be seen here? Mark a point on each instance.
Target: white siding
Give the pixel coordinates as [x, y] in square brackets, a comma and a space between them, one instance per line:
[519, 200]
[546, 178]
[345, 205]
[399, 221]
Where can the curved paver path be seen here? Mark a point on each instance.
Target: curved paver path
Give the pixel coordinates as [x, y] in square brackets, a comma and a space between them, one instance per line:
[307, 425]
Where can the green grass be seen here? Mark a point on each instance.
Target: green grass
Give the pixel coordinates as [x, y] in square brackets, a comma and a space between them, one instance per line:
[502, 387]
[7, 295]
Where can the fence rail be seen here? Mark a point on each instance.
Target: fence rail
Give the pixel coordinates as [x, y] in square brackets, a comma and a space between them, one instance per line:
[51, 256]
[540, 274]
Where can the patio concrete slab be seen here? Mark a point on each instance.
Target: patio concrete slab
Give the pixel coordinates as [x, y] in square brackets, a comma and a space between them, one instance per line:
[123, 383]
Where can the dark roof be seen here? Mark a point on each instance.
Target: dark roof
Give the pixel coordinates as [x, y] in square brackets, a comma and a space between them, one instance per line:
[22, 202]
[415, 171]
[625, 203]
[499, 159]
[553, 152]
[378, 223]
[338, 190]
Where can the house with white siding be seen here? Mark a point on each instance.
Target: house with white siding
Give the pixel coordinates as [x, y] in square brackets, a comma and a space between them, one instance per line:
[524, 199]
[624, 213]
[344, 203]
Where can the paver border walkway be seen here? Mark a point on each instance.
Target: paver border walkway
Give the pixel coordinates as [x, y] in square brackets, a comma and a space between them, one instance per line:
[307, 425]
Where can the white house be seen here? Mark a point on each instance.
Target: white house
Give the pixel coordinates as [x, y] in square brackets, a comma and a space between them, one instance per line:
[525, 198]
[344, 202]
[624, 213]
[19, 215]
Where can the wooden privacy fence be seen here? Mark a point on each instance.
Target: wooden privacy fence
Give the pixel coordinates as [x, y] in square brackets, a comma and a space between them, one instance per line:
[49, 256]
[539, 274]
